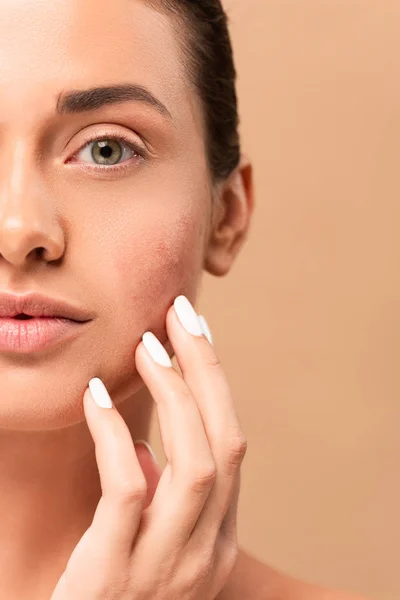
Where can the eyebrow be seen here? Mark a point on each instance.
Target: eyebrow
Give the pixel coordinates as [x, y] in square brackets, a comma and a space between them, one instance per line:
[76, 101]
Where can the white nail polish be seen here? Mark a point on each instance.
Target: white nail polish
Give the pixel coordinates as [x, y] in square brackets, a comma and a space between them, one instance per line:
[149, 448]
[187, 316]
[156, 350]
[206, 329]
[99, 393]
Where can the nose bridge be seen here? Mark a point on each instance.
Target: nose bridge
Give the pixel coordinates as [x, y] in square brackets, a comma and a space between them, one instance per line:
[15, 206]
[27, 217]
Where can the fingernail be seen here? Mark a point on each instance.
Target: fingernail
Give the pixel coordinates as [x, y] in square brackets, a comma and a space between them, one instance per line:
[99, 393]
[149, 448]
[205, 328]
[156, 350]
[187, 316]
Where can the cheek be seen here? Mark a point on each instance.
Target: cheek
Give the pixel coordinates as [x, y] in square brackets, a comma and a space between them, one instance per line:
[150, 270]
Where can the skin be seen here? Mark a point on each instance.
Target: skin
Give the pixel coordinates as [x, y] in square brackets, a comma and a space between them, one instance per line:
[124, 245]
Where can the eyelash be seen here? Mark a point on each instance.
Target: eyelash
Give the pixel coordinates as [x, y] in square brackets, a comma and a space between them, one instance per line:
[140, 153]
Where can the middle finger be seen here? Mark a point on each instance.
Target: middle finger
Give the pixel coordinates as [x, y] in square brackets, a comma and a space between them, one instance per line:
[187, 479]
[204, 376]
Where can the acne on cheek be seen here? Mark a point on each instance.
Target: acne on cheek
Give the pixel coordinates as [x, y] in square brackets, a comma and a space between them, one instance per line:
[154, 273]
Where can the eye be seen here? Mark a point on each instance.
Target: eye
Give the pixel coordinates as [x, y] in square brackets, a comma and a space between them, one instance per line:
[107, 151]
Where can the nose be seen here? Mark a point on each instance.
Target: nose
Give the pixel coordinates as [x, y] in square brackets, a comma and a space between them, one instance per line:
[29, 229]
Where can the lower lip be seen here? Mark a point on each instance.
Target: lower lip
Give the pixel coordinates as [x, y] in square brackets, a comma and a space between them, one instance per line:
[32, 335]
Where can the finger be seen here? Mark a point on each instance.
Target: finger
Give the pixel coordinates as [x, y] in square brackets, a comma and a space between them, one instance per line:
[229, 523]
[150, 468]
[186, 482]
[226, 549]
[123, 483]
[204, 376]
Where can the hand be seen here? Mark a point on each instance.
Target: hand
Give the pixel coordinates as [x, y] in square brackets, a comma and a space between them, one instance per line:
[178, 540]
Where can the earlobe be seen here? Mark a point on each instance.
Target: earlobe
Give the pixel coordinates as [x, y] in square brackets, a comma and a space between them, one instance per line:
[230, 229]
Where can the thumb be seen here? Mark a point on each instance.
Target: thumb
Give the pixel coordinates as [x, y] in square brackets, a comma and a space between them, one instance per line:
[150, 467]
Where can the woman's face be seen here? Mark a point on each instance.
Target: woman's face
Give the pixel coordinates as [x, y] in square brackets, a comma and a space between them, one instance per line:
[121, 242]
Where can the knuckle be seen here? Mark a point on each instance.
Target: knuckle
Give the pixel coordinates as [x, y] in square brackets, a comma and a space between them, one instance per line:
[236, 451]
[203, 479]
[175, 396]
[213, 361]
[132, 492]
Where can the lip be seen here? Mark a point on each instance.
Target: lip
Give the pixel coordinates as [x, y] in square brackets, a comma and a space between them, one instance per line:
[53, 320]
[32, 335]
[38, 305]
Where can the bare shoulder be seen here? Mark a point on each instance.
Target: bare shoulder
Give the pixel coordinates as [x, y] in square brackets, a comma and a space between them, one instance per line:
[255, 580]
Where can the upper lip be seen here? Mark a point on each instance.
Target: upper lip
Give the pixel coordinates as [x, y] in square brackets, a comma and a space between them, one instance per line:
[38, 305]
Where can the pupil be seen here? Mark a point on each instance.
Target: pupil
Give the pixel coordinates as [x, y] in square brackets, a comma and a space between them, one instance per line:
[106, 152]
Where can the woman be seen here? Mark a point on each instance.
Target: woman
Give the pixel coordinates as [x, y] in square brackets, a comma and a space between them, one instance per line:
[121, 180]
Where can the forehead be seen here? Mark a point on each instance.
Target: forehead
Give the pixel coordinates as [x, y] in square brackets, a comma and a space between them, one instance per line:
[47, 46]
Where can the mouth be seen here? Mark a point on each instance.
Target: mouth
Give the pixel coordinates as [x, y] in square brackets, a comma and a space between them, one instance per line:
[24, 317]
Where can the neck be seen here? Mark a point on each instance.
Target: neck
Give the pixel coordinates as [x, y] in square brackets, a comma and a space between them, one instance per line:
[50, 488]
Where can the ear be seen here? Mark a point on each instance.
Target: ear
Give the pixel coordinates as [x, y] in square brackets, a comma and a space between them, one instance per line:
[233, 208]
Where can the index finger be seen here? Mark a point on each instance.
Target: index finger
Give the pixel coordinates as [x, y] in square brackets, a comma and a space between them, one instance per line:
[123, 484]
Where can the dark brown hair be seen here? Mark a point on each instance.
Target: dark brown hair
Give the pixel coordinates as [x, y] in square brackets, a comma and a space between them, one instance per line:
[209, 56]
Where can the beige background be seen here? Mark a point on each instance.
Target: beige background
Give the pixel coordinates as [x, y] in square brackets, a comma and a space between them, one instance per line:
[307, 323]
